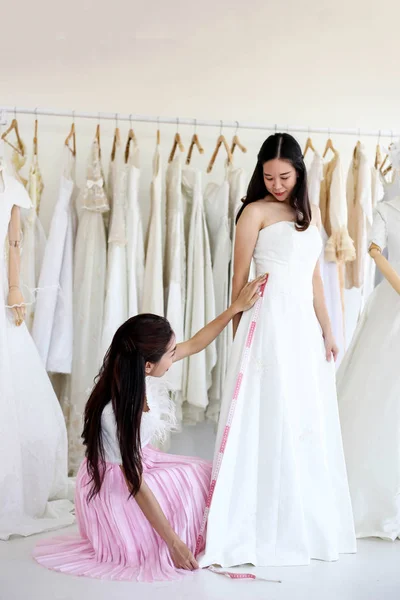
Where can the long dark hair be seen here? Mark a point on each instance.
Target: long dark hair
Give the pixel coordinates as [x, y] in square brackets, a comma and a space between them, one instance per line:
[141, 339]
[285, 147]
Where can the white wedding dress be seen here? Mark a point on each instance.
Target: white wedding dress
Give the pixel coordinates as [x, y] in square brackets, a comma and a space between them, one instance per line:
[116, 291]
[175, 269]
[200, 300]
[33, 437]
[282, 496]
[134, 234]
[153, 288]
[216, 203]
[369, 396]
[52, 329]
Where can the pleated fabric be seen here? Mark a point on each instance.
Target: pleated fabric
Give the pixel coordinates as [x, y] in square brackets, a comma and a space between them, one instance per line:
[115, 539]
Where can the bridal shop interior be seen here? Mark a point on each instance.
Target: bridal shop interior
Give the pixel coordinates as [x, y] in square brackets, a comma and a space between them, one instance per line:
[128, 136]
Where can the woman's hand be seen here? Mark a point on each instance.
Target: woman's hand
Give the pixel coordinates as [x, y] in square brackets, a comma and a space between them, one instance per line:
[17, 303]
[331, 348]
[249, 294]
[182, 556]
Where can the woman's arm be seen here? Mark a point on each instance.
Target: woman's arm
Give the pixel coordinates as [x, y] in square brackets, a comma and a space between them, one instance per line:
[147, 502]
[322, 315]
[246, 299]
[247, 230]
[319, 300]
[385, 267]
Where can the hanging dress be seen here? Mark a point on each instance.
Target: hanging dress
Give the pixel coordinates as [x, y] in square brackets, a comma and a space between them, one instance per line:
[175, 269]
[369, 266]
[33, 438]
[115, 540]
[281, 496]
[52, 329]
[216, 200]
[33, 242]
[369, 396]
[200, 300]
[134, 234]
[339, 247]
[329, 270]
[116, 300]
[153, 288]
[359, 207]
[89, 292]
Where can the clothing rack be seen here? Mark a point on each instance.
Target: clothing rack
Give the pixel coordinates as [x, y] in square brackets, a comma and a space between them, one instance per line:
[5, 111]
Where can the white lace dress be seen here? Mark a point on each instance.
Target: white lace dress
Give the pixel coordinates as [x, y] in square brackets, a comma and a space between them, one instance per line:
[89, 292]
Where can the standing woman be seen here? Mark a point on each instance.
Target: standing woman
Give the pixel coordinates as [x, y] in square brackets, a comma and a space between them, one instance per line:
[139, 510]
[281, 496]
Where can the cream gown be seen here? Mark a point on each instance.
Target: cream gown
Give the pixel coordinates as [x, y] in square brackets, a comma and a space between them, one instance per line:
[89, 292]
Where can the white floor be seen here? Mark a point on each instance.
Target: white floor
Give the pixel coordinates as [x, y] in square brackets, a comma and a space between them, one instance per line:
[372, 574]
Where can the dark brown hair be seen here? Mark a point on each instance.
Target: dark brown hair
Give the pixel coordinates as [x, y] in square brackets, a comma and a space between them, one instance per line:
[284, 147]
[122, 379]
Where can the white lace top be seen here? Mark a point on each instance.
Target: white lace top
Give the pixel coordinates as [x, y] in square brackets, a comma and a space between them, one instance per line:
[155, 425]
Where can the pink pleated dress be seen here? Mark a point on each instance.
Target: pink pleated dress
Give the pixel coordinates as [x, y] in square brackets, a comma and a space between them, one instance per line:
[115, 539]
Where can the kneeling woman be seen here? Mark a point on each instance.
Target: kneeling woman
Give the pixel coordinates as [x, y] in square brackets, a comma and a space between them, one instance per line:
[139, 510]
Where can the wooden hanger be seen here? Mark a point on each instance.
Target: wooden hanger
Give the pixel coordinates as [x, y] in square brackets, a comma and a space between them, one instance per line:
[14, 127]
[131, 138]
[221, 141]
[329, 146]
[195, 142]
[236, 142]
[177, 143]
[97, 138]
[309, 146]
[378, 156]
[356, 149]
[117, 138]
[388, 168]
[71, 136]
[35, 139]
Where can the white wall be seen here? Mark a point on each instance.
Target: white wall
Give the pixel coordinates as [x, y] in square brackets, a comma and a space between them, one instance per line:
[318, 63]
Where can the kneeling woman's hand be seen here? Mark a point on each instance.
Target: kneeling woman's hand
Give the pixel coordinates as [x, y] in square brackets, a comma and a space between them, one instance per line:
[181, 555]
[249, 294]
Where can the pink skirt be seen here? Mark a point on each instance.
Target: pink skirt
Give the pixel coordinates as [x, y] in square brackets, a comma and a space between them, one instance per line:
[116, 541]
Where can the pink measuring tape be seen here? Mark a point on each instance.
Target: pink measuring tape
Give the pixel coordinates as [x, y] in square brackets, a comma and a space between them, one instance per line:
[239, 379]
